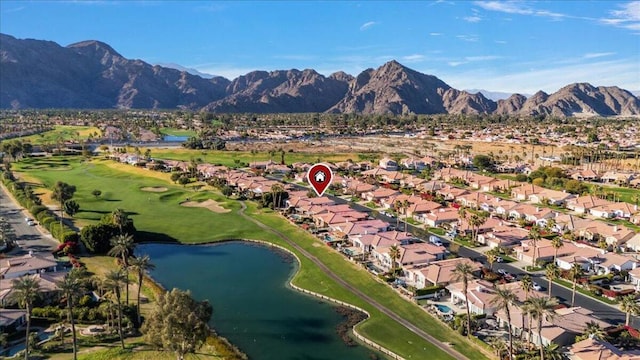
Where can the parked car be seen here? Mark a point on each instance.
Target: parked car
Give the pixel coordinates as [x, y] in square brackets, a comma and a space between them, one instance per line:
[31, 223]
[27, 219]
[537, 287]
[502, 272]
[499, 259]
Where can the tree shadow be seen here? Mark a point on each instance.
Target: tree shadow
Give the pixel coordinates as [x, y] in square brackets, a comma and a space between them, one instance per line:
[154, 237]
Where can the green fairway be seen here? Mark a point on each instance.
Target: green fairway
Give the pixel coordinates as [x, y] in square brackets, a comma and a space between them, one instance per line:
[177, 132]
[228, 158]
[62, 133]
[159, 216]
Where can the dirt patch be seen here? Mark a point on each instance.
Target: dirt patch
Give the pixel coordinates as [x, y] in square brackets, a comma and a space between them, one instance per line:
[208, 204]
[157, 189]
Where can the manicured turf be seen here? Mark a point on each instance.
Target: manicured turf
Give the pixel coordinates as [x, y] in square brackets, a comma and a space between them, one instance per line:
[158, 216]
[62, 133]
[228, 158]
[177, 132]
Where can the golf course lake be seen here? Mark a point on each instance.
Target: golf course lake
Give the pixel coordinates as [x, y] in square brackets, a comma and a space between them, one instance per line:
[253, 307]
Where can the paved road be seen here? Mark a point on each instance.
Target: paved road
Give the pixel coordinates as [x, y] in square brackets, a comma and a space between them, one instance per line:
[600, 310]
[28, 237]
[414, 329]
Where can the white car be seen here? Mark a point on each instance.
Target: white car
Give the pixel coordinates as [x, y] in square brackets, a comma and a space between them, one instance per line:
[537, 287]
[31, 223]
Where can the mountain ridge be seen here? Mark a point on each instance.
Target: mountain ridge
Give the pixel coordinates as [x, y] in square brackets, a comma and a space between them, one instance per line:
[91, 74]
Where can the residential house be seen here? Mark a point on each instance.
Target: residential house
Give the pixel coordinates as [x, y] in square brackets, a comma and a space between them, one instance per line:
[480, 294]
[439, 272]
[523, 192]
[614, 210]
[596, 349]
[411, 254]
[421, 207]
[585, 175]
[583, 204]
[613, 234]
[616, 177]
[388, 164]
[439, 217]
[553, 197]
[11, 320]
[543, 251]
[378, 194]
[504, 236]
[14, 267]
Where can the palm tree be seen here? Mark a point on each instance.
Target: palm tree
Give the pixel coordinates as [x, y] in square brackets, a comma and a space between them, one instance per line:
[534, 235]
[276, 194]
[498, 344]
[504, 299]
[557, 242]
[553, 352]
[527, 286]
[394, 253]
[629, 306]
[72, 288]
[114, 281]
[491, 258]
[575, 273]
[540, 308]
[122, 246]
[552, 272]
[26, 290]
[140, 265]
[464, 272]
[120, 219]
[593, 330]
[405, 207]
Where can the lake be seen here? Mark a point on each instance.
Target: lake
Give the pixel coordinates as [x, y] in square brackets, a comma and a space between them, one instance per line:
[174, 138]
[252, 305]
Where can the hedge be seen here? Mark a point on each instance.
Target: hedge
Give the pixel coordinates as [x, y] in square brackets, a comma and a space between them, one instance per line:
[428, 290]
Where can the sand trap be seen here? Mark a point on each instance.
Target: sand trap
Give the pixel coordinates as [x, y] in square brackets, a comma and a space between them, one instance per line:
[209, 204]
[154, 189]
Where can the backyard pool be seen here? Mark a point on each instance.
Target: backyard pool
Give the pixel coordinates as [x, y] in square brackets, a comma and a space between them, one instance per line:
[444, 309]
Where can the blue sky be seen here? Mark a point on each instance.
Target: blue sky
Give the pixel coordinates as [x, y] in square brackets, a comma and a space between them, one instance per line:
[511, 46]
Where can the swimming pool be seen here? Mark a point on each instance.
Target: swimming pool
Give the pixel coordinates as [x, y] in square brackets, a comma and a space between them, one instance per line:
[444, 309]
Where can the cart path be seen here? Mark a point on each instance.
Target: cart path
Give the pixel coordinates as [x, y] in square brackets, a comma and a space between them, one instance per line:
[414, 329]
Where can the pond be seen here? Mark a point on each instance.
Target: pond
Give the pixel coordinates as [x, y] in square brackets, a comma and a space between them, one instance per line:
[252, 305]
[175, 138]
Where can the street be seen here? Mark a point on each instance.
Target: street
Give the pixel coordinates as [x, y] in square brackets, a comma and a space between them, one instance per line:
[29, 238]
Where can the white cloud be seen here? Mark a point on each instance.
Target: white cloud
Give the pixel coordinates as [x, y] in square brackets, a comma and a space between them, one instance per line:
[456, 63]
[367, 25]
[512, 7]
[469, 38]
[597, 55]
[413, 58]
[435, 34]
[499, 41]
[16, 9]
[627, 17]
[482, 58]
[622, 73]
[225, 70]
[472, 19]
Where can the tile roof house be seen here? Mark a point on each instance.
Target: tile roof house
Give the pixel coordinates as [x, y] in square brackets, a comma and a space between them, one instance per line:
[596, 349]
[480, 293]
[17, 266]
[438, 272]
[583, 204]
[411, 254]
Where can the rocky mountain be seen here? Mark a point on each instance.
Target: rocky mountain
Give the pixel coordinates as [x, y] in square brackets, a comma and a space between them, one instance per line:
[393, 88]
[90, 74]
[281, 92]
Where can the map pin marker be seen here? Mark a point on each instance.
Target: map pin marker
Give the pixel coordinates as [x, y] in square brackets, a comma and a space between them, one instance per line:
[320, 177]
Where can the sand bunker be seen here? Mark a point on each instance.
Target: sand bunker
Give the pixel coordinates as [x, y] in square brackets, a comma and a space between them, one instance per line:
[209, 204]
[154, 189]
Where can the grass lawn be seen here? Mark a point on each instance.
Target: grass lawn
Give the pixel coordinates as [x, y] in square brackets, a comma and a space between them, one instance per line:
[62, 133]
[177, 132]
[121, 187]
[228, 158]
[437, 231]
[569, 285]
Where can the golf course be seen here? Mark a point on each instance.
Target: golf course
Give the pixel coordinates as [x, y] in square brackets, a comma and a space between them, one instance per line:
[157, 207]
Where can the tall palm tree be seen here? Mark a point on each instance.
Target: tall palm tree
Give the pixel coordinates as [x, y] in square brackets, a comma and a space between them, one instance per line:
[535, 236]
[405, 207]
[553, 352]
[552, 272]
[394, 253]
[26, 290]
[122, 246]
[575, 273]
[540, 308]
[120, 219]
[140, 265]
[629, 306]
[114, 281]
[557, 242]
[504, 299]
[498, 344]
[72, 288]
[526, 284]
[464, 272]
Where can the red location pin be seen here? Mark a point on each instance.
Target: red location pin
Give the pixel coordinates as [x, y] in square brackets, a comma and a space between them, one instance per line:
[320, 177]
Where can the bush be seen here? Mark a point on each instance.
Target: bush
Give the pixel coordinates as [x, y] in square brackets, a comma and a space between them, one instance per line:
[37, 209]
[428, 290]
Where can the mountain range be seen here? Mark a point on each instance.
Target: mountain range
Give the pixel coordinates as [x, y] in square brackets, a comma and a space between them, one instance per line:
[92, 75]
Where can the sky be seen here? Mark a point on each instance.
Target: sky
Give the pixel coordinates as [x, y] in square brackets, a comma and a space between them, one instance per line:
[508, 46]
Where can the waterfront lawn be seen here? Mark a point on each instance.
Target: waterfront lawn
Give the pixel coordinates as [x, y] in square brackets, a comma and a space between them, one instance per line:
[379, 327]
[228, 158]
[62, 133]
